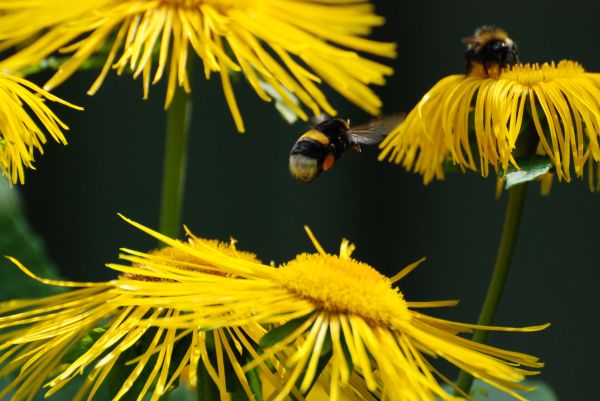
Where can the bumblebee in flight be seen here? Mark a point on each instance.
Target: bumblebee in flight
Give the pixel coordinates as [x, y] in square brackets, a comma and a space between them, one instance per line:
[319, 148]
[488, 51]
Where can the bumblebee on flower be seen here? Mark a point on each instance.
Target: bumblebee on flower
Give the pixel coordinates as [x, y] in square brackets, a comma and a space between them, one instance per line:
[501, 111]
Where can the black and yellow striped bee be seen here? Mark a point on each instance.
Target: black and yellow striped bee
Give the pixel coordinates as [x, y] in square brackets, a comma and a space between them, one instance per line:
[319, 148]
[488, 51]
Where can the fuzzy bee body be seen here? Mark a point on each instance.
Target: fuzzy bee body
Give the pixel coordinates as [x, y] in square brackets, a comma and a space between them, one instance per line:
[319, 148]
[488, 51]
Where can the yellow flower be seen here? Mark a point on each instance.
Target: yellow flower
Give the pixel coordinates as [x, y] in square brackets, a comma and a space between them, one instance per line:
[323, 305]
[478, 122]
[206, 304]
[99, 328]
[24, 119]
[290, 45]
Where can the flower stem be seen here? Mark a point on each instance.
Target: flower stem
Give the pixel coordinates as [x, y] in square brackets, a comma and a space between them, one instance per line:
[175, 160]
[508, 240]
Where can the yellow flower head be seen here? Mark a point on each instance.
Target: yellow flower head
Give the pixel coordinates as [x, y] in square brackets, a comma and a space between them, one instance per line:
[334, 307]
[290, 45]
[24, 120]
[219, 303]
[477, 122]
[101, 327]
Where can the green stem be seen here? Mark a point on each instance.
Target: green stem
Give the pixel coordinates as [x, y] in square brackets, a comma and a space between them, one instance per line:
[175, 159]
[508, 240]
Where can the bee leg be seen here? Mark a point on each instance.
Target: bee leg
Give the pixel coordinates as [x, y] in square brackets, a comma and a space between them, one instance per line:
[354, 148]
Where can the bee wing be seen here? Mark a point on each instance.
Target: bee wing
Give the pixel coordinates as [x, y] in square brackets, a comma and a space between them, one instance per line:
[366, 137]
[375, 130]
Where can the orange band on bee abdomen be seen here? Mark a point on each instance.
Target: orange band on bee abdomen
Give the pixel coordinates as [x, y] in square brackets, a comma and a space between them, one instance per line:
[328, 162]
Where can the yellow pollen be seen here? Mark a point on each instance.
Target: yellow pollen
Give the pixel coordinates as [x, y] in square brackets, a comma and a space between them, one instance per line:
[175, 257]
[343, 285]
[533, 74]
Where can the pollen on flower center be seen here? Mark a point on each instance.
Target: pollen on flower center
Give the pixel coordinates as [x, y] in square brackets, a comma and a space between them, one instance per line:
[343, 285]
[181, 259]
[533, 74]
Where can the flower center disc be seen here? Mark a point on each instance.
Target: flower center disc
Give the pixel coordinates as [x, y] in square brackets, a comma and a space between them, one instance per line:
[341, 285]
[175, 257]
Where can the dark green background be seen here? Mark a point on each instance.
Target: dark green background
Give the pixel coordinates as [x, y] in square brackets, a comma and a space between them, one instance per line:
[239, 185]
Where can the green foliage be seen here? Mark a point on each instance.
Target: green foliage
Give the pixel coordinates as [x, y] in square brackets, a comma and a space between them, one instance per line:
[530, 169]
[207, 390]
[347, 356]
[83, 345]
[255, 383]
[450, 167]
[484, 392]
[278, 334]
[17, 239]
[182, 393]
[281, 105]
[53, 63]
[481, 391]
[324, 358]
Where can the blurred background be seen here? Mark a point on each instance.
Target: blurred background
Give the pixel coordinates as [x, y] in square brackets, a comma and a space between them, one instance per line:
[239, 185]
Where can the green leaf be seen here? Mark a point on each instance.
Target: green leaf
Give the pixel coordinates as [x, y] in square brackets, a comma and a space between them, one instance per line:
[347, 356]
[255, 383]
[119, 373]
[83, 345]
[181, 393]
[280, 333]
[530, 169]
[17, 239]
[324, 358]
[484, 392]
[327, 345]
[233, 384]
[122, 369]
[207, 390]
[67, 393]
[281, 105]
[450, 167]
[53, 63]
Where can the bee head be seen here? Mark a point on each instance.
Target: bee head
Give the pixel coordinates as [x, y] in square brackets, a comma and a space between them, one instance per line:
[484, 35]
[333, 127]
